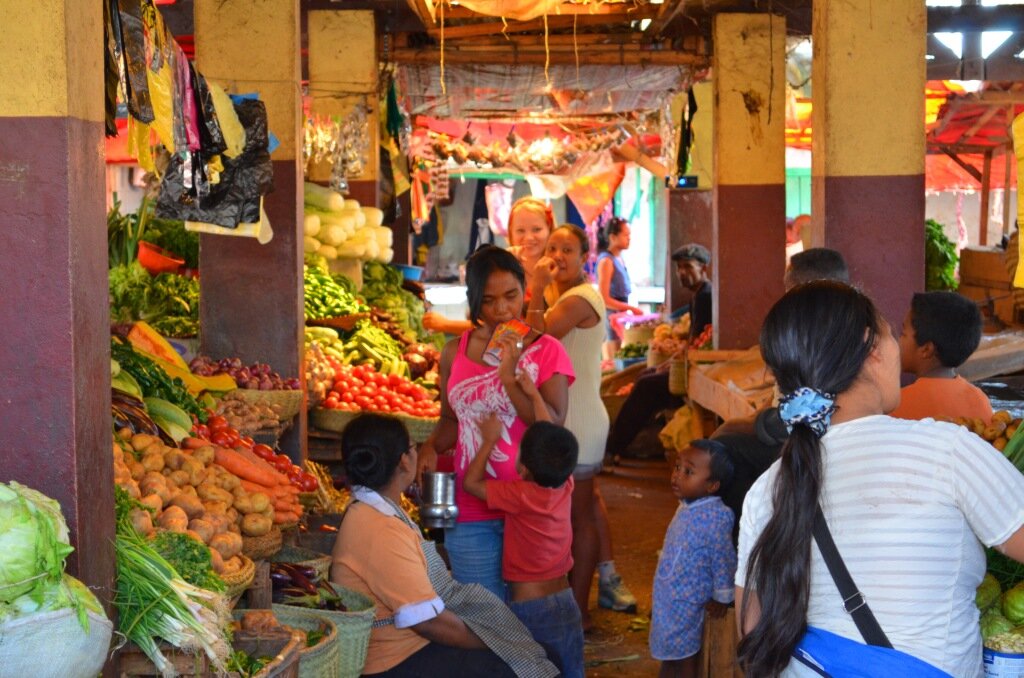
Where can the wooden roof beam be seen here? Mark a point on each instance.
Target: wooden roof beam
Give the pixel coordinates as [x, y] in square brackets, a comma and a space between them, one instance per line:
[623, 57]
[979, 123]
[970, 169]
[566, 9]
[554, 22]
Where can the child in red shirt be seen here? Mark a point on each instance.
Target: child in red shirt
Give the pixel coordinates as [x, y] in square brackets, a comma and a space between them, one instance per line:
[940, 332]
[537, 553]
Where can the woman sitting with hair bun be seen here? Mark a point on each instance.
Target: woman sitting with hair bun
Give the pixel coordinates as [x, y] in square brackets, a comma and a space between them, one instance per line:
[427, 624]
[905, 507]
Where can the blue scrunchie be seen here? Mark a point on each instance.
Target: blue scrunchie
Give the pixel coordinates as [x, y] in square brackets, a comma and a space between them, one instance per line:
[807, 406]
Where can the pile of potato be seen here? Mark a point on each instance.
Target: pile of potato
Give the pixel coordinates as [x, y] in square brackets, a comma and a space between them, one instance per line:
[189, 493]
[998, 431]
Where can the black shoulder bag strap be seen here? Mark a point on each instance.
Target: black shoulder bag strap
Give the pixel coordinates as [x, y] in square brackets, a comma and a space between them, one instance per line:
[853, 600]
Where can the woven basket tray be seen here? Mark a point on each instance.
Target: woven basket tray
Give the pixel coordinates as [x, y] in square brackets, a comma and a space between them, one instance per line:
[331, 420]
[261, 548]
[293, 554]
[290, 401]
[677, 377]
[353, 627]
[236, 584]
[419, 428]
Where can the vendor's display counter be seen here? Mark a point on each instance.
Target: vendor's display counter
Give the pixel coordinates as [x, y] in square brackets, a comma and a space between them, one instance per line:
[731, 384]
[1001, 353]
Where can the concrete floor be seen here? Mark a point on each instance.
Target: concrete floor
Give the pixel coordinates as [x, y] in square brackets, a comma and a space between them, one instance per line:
[640, 506]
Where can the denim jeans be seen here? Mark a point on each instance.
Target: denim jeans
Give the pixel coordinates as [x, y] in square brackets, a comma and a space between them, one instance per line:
[556, 624]
[474, 551]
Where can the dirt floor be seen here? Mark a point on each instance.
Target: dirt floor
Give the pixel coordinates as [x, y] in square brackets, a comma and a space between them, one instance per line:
[640, 506]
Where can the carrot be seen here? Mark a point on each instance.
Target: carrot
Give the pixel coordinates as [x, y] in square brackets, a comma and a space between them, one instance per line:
[280, 505]
[283, 517]
[252, 487]
[242, 467]
[262, 463]
[191, 443]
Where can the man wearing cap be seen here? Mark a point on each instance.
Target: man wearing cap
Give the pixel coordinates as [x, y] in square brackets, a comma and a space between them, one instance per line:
[691, 265]
[650, 394]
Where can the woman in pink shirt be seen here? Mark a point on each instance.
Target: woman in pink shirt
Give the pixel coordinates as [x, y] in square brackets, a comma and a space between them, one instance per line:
[471, 389]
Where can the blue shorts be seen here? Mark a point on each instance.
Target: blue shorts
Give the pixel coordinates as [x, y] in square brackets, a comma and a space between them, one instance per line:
[556, 624]
[474, 552]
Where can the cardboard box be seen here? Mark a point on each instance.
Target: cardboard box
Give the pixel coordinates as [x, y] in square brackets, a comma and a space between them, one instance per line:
[984, 267]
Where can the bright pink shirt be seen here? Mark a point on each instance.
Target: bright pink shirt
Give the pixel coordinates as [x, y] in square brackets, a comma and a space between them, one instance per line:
[474, 391]
[538, 533]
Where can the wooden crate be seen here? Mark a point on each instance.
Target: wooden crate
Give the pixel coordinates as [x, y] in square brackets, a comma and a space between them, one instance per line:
[717, 658]
[984, 267]
[716, 396]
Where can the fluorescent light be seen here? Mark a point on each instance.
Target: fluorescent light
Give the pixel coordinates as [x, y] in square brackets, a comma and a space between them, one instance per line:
[644, 23]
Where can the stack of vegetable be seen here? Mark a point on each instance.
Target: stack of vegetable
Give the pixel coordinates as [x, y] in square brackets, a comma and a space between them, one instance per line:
[365, 344]
[147, 342]
[168, 301]
[319, 375]
[247, 416]
[154, 381]
[323, 297]
[382, 289]
[155, 602]
[302, 586]
[34, 542]
[255, 376]
[998, 431]
[670, 339]
[338, 228]
[363, 388]
[1002, 615]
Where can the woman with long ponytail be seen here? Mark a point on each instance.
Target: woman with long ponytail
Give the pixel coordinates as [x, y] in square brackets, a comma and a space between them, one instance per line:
[908, 504]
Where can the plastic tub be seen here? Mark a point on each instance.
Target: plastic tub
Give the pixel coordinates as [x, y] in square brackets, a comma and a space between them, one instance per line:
[158, 260]
[1002, 664]
[410, 272]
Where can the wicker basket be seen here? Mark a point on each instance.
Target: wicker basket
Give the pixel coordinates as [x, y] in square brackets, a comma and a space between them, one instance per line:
[261, 548]
[290, 401]
[283, 647]
[353, 628]
[321, 660]
[332, 420]
[677, 376]
[305, 557]
[236, 583]
[419, 428]
[655, 358]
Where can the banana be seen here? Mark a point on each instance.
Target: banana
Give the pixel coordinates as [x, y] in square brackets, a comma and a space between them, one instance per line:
[159, 408]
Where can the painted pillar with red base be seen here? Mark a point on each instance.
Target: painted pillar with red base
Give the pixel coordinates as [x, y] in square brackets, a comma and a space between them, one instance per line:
[55, 337]
[748, 252]
[869, 144]
[251, 294]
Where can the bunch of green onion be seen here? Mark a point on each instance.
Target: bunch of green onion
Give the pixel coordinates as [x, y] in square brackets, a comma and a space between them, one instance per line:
[153, 601]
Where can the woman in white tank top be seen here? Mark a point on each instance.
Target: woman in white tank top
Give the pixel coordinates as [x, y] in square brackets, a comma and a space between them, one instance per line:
[576, 316]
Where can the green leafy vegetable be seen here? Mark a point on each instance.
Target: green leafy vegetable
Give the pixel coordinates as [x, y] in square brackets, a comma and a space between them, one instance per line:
[58, 594]
[33, 541]
[940, 258]
[382, 288]
[993, 623]
[190, 558]
[244, 665]
[172, 236]
[988, 592]
[169, 302]
[1013, 604]
[124, 231]
[153, 381]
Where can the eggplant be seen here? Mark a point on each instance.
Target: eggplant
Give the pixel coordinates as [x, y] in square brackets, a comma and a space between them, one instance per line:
[280, 579]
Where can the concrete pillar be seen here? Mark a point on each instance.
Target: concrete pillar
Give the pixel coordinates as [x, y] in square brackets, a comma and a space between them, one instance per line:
[867, 165]
[251, 294]
[343, 74]
[55, 351]
[748, 252]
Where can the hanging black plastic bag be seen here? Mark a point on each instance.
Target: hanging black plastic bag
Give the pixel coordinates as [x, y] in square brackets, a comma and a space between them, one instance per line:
[111, 76]
[236, 198]
[133, 41]
[209, 125]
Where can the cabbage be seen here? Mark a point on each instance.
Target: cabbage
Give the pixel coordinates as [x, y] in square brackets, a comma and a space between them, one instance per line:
[55, 595]
[33, 541]
[1013, 604]
[993, 623]
[988, 592]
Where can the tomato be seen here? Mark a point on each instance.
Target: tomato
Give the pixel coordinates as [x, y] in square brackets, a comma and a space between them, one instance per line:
[234, 436]
[221, 439]
[394, 380]
[331, 403]
[246, 442]
[369, 390]
[203, 431]
[356, 382]
[282, 463]
[217, 423]
[264, 452]
[347, 397]
[362, 401]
